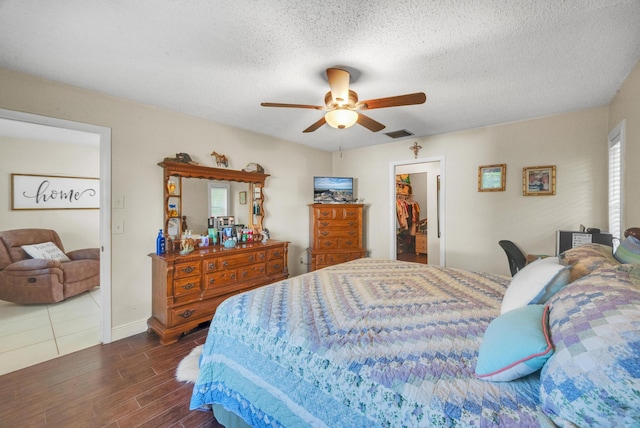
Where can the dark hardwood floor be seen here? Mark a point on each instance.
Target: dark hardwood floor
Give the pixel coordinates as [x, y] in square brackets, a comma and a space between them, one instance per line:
[413, 257]
[127, 383]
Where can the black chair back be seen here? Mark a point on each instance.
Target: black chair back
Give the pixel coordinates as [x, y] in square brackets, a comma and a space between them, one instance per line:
[517, 258]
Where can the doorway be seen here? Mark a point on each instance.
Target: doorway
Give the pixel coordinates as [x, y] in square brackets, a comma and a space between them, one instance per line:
[417, 217]
[28, 127]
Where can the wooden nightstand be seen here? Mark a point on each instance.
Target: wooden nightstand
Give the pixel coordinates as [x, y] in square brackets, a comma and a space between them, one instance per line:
[421, 244]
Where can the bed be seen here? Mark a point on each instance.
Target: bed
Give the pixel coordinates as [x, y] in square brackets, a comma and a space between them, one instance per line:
[398, 344]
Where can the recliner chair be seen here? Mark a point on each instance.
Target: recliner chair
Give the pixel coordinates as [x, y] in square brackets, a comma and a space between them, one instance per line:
[27, 280]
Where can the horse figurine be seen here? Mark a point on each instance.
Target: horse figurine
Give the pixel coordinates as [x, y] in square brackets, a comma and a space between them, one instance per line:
[221, 159]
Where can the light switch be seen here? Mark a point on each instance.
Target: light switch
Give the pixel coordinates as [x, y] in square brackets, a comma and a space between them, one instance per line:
[118, 226]
[118, 201]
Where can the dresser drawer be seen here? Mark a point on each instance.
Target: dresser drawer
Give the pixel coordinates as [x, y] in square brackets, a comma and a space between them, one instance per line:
[344, 224]
[338, 244]
[185, 313]
[182, 270]
[338, 233]
[230, 262]
[189, 285]
[217, 279]
[253, 271]
[275, 253]
[275, 266]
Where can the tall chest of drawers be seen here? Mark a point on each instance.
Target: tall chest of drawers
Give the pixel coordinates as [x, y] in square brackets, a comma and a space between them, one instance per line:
[187, 289]
[335, 234]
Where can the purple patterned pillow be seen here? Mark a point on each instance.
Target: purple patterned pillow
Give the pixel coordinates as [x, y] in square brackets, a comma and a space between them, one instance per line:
[593, 377]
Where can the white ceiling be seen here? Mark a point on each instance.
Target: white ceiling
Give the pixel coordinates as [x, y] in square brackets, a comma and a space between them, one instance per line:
[480, 62]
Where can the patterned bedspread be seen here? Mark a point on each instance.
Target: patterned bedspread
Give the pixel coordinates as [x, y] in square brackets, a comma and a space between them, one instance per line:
[366, 343]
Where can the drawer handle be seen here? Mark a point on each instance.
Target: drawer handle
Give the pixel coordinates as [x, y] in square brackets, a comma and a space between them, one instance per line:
[252, 258]
[211, 281]
[276, 253]
[186, 314]
[352, 223]
[324, 213]
[328, 243]
[261, 256]
[188, 269]
[225, 263]
[324, 223]
[348, 242]
[324, 233]
[212, 265]
[232, 276]
[276, 266]
[244, 273]
[262, 269]
[188, 286]
[352, 233]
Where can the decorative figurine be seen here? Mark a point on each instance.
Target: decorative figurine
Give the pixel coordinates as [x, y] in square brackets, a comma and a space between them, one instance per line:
[184, 223]
[253, 167]
[415, 148]
[220, 159]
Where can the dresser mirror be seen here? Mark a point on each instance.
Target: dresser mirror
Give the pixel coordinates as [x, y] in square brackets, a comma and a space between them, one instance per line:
[186, 193]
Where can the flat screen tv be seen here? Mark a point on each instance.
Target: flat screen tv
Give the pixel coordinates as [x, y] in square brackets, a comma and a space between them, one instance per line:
[332, 190]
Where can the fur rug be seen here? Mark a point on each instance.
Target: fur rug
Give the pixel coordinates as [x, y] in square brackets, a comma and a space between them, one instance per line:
[187, 370]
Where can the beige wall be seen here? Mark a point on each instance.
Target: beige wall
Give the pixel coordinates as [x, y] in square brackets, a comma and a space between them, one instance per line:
[141, 137]
[77, 228]
[626, 105]
[575, 143]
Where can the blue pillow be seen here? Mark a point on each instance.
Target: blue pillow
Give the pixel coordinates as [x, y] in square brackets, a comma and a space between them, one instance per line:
[628, 251]
[516, 344]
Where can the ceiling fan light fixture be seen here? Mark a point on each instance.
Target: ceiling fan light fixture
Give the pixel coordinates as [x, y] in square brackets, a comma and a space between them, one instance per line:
[341, 118]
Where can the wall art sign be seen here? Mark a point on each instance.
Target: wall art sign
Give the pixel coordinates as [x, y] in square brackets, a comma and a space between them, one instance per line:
[539, 180]
[44, 192]
[492, 178]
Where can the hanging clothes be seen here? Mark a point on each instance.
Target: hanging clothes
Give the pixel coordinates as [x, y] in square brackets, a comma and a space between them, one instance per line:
[408, 215]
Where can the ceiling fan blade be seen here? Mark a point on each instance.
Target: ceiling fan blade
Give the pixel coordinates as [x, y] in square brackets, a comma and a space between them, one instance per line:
[292, 106]
[400, 100]
[339, 84]
[369, 123]
[316, 125]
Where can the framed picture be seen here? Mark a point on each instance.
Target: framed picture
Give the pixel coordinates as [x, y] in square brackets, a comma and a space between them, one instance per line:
[44, 192]
[492, 178]
[539, 180]
[243, 198]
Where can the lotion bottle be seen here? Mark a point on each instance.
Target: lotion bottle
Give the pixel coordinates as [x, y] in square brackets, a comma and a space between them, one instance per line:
[161, 243]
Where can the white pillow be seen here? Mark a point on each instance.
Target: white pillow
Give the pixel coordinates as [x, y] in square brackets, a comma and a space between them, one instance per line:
[535, 283]
[46, 250]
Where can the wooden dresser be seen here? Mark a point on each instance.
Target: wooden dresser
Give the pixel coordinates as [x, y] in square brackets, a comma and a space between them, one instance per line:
[187, 289]
[421, 243]
[335, 234]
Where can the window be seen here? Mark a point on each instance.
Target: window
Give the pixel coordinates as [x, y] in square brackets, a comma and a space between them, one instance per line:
[616, 188]
[218, 193]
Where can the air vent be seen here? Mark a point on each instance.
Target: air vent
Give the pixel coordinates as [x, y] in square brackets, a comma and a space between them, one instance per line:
[399, 134]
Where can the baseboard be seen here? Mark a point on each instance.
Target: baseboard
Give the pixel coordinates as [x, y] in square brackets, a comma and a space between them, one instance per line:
[129, 329]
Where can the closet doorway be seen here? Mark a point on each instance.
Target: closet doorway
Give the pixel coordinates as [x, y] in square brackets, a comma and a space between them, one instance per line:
[418, 211]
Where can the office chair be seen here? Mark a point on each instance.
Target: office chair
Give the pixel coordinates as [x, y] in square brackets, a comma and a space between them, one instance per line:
[517, 258]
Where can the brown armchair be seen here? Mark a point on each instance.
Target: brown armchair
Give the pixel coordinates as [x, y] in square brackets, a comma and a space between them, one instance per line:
[27, 280]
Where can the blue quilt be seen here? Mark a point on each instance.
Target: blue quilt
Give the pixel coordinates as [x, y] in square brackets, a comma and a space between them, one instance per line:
[366, 343]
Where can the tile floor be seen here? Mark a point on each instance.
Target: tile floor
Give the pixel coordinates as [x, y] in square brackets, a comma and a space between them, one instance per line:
[31, 334]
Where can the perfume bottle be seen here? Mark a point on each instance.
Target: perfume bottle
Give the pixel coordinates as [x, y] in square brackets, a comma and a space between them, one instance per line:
[171, 187]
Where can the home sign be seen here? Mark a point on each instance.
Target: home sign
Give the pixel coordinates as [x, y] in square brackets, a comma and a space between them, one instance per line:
[43, 192]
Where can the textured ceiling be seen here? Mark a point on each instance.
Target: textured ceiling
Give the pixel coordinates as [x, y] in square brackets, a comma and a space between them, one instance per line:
[480, 62]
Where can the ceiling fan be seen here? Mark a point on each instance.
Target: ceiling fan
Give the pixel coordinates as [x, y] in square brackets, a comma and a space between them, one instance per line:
[343, 108]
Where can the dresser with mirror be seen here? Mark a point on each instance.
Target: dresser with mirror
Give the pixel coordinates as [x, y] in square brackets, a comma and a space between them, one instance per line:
[187, 288]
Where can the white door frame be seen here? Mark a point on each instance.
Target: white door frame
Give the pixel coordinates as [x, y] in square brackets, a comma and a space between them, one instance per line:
[104, 135]
[392, 203]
